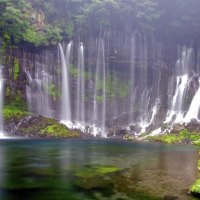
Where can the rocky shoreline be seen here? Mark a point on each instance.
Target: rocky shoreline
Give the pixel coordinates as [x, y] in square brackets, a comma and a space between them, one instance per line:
[37, 126]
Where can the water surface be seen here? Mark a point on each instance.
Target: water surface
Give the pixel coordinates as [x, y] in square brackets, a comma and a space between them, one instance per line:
[74, 169]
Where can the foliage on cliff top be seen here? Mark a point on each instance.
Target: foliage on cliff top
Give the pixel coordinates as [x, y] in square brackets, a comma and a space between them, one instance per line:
[42, 22]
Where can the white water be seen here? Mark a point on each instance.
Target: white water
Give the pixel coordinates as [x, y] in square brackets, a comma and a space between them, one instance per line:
[103, 124]
[65, 99]
[98, 101]
[39, 82]
[193, 112]
[178, 99]
[132, 76]
[80, 107]
[183, 68]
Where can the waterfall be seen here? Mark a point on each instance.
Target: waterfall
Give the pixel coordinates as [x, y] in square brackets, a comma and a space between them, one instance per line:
[183, 68]
[103, 123]
[100, 83]
[132, 77]
[1, 103]
[39, 83]
[193, 112]
[65, 98]
[80, 107]
[119, 81]
[178, 99]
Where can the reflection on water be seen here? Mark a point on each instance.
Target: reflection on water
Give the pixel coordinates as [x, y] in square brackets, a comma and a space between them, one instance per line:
[95, 169]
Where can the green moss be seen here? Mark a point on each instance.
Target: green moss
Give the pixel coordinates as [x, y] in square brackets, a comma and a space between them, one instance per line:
[8, 92]
[92, 171]
[16, 69]
[54, 92]
[197, 142]
[73, 71]
[59, 130]
[16, 109]
[199, 165]
[45, 127]
[95, 177]
[195, 189]
[183, 136]
[99, 99]
[10, 112]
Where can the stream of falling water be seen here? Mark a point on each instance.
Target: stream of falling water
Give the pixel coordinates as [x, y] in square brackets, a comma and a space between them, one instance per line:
[80, 107]
[101, 92]
[177, 110]
[65, 98]
[193, 112]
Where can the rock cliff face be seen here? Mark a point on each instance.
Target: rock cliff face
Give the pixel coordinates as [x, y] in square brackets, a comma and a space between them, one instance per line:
[130, 80]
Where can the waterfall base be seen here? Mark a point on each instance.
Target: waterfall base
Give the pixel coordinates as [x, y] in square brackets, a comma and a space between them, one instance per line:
[86, 128]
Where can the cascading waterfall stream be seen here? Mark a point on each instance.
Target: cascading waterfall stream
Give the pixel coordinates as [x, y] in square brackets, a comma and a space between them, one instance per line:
[103, 124]
[39, 82]
[100, 93]
[132, 76]
[193, 112]
[65, 99]
[176, 113]
[80, 107]
[100, 78]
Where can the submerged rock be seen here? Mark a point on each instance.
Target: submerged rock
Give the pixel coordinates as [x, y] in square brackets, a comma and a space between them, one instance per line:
[95, 177]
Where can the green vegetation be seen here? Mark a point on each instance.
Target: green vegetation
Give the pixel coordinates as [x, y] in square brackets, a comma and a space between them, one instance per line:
[40, 126]
[58, 130]
[92, 171]
[73, 71]
[16, 109]
[183, 136]
[54, 92]
[16, 69]
[195, 189]
[197, 142]
[47, 22]
[93, 177]
[123, 88]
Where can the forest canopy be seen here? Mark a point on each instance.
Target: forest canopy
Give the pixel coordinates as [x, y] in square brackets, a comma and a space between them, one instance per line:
[42, 22]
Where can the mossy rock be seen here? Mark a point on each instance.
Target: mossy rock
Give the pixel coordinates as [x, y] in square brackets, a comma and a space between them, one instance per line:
[12, 113]
[183, 136]
[195, 189]
[16, 108]
[39, 126]
[129, 137]
[197, 142]
[91, 171]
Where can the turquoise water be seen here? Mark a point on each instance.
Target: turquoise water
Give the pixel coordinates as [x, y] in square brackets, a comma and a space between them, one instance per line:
[95, 169]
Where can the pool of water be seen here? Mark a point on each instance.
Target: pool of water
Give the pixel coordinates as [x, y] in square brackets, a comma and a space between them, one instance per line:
[74, 169]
